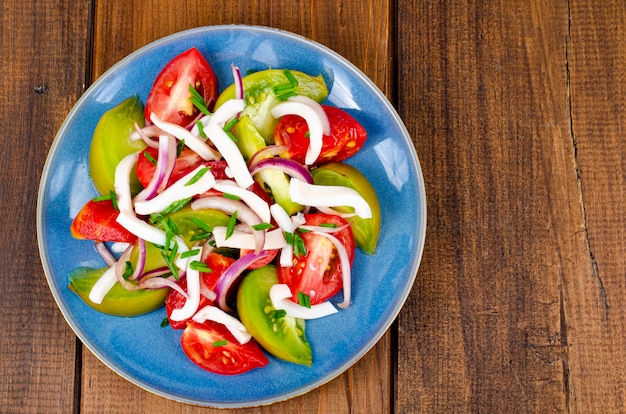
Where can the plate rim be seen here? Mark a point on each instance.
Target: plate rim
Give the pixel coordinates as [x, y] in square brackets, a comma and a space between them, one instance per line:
[420, 197]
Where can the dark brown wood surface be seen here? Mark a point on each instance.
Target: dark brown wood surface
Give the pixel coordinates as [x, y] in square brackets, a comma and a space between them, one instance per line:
[516, 109]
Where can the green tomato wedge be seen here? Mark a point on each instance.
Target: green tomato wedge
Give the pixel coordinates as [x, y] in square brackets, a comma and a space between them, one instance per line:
[118, 301]
[111, 143]
[280, 335]
[365, 231]
[265, 89]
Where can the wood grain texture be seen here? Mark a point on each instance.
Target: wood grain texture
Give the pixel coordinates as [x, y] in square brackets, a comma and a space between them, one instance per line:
[43, 63]
[492, 324]
[367, 386]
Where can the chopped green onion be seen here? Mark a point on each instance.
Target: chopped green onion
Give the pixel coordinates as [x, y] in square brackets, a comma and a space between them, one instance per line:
[263, 226]
[198, 101]
[329, 225]
[176, 205]
[114, 200]
[279, 313]
[201, 224]
[200, 126]
[165, 322]
[304, 300]
[101, 198]
[231, 124]
[169, 261]
[294, 239]
[292, 79]
[180, 146]
[220, 343]
[189, 253]
[199, 266]
[197, 176]
[150, 158]
[231, 225]
[128, 271]
[231, 196]
[200, 236]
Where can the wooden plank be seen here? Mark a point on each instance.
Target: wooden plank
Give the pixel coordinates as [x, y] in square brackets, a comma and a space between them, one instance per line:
[42, 53]
[484, 89]
[367, 386]
[597, 334]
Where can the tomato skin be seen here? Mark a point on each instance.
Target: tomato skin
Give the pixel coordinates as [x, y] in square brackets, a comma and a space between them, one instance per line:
[169, 96]
[318, 273]
[111, 143]
[97, 221]
[346, 137]
[118, 301]
[201, 343]
[186, 162]
[366, 231]
[218, 263]
[284, 336]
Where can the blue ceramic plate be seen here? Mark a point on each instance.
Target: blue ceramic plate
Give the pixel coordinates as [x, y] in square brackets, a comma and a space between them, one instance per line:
[149, 356]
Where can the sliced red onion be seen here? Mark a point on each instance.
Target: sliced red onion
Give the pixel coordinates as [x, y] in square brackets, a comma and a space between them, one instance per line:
[104, 252]
[146, 134]
[288, 166]
[103, 285]
[328, 196]
[229, 150]
[280, 295]
[256, 203]
[193, 291]
[179, 190]
[345, 268]
[274, 239]
[316, 120]
[122, 182]
[164, 167]
[215, 314]
[244, 214]
[141, 260]
[269, 151]
[239, 93]
[192, 141]
[228, 281]
[161, 283]
[120, 269]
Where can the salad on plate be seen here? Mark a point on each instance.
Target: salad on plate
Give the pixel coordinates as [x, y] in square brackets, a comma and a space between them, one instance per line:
[234, 211]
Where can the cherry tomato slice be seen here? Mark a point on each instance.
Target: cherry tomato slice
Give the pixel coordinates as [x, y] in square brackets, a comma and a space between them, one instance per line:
[211, 346]
[346, 136]
[169, 96]
[318, 272]
[97, 221]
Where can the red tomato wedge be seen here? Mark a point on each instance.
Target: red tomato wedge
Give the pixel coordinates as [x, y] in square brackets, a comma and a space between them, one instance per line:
[211, 346]
[218, 264]
[97, 221]
[169, 96]
[347, 136]
[318, 273]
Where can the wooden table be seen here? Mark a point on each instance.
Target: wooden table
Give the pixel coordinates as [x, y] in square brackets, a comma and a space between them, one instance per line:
[516, 109]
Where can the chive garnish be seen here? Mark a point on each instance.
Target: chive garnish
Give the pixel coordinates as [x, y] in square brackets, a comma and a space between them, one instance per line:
[150, 158]
[200, 236]
[176, 205]
[197, 176]
[329, 225]
[231, 124]
[262, 226]
[279, 313]
[220, 343]
[230, 228]
[180, 146]
[200, 126]
[165, 322]
[201, 224]
[231, 196]
[292, 79]
[304, 300]
[199, 266]
[101, 198]
[128, 271]
[189, 253]
[198, 101]
[294, 239]
[114, 200]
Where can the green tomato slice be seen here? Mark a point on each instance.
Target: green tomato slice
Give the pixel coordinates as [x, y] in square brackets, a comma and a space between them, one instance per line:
[118, 301]
[111, 143]
[366, 231]
[280, 335]
[264, 89]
